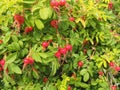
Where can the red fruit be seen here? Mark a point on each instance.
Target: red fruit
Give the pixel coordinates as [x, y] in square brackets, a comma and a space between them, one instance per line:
[111, 64]
[62, 2]
[54, 23]
[114, 87]
[2, 63]
[68, 47]
[1, 41]
[54, 4]
[69, 88]
[45, 79]
[58, 55]
[31, 60]
[45, 44]
[117, 68]
[63, 51]
[100, 73]
[28, 29]
[72, 19]
[110, 5]
[80, 63]
[19, 19]
[26, 61]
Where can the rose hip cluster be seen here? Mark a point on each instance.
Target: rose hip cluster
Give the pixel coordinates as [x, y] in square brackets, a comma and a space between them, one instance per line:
[19, 20]
[63, 51]
[114, 66]
[28, 61]
[2, 63]
[55, 4]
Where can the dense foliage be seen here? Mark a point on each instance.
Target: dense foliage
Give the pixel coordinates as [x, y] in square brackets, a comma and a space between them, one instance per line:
[60, 45]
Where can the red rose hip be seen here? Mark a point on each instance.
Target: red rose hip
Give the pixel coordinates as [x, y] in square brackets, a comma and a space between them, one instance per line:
[45, 44]
[62, 2]
[80, 63]
[113, 87]
[72, 19]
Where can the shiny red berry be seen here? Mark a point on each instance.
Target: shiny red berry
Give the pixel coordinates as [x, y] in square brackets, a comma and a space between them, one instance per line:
[72, 19]
[31, 60]
[54, 23]
[2, 62]
[111, 64]
[117, 68]
[26, 61]
[80, 63]
[28, 29]
[45, 44]
[114, 87]
[58, 55]
[54, 4]
[63, 51]
[62, 2]
[68, 47]
[100, 73]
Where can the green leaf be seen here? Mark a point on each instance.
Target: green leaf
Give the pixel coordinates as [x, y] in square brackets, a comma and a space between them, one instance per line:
[7, 37]
[54, 67]
[43, 55]
[83, 71]
[14, 38]
[11, 58]
[35, 74]
[44, 13]
[39, 24]
[14, 68]
[101, 89]
[9, 79]
[36, 56]
[86, 77]
[28, 1]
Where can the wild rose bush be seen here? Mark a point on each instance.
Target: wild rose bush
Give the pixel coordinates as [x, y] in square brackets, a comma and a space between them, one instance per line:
[59, 45]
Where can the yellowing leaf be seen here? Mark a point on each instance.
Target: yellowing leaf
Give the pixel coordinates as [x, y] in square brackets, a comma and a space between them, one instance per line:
[39, 24]
[82, 21]
[44, 13]
[104, 63]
